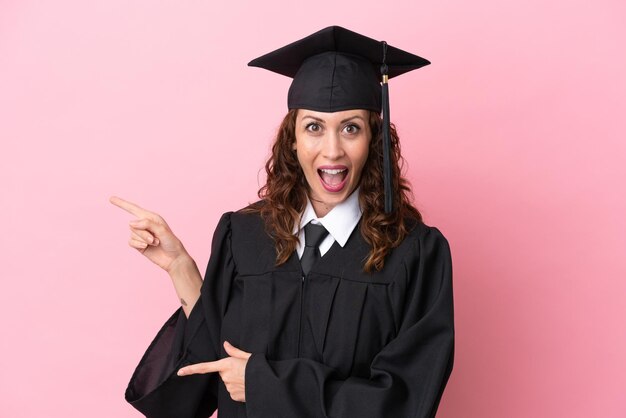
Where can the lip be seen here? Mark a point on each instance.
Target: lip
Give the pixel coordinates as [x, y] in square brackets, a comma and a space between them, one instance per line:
[332, 167]
[337, 188]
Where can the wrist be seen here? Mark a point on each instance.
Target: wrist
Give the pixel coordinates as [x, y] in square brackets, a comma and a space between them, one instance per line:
[180, 264]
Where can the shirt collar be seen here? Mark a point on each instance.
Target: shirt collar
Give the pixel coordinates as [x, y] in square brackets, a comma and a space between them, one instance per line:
[340, 221]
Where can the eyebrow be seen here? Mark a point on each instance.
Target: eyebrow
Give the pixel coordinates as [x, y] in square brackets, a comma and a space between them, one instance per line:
[343, 121]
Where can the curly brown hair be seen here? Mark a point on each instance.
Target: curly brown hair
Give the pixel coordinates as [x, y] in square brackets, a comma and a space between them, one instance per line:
[283, 197]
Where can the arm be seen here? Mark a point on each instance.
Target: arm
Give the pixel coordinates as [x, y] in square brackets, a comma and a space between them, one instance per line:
[155, 389]
[187, 282]
[152, 237]
[407, 377]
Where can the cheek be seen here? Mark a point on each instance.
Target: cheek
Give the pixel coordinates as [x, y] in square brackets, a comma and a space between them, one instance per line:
[305, 155]
[304, 160]
[359, 155]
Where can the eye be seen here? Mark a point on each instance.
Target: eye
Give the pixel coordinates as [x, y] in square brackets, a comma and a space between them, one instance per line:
[352, 129]
[313, 127]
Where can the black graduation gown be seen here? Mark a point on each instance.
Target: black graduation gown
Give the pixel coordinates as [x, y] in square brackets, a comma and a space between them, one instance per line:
[340, 343]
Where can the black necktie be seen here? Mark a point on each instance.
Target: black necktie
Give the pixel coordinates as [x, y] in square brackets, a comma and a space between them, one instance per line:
[313, 236]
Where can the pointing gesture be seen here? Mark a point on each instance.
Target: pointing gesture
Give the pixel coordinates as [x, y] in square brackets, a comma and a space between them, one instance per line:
[152, 236]
[232, 370]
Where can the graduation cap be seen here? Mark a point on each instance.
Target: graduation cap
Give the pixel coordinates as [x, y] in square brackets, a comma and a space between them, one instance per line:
[337, 69]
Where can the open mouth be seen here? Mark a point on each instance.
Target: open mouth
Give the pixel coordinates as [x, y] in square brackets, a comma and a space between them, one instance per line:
[333, 178]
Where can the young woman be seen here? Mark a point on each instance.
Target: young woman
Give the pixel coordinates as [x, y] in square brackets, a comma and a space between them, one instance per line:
[329, 297]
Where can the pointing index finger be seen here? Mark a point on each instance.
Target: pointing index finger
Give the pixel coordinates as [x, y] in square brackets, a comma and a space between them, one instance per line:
[209, 367]
[130, 207]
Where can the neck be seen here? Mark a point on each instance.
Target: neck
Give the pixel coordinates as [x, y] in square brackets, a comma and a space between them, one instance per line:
[321, 208]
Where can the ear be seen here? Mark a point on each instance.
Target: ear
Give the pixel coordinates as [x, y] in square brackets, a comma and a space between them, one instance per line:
[293, 146]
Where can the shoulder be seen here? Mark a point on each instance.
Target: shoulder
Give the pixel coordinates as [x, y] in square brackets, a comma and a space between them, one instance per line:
[421, 244]
[244, 217]
[423, 237]
[245, 224]
[248, 218]
[252, 248]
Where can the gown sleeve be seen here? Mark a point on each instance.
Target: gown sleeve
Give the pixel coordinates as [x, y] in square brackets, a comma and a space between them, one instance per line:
[155, 389]
[407, 377]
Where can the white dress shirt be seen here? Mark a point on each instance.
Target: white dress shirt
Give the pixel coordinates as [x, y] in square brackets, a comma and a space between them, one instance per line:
[339, 222]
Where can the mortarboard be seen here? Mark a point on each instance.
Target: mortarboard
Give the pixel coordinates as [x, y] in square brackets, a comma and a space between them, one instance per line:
[337, 69]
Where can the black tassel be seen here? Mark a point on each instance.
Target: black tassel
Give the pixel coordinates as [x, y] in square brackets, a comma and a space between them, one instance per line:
[387, 169]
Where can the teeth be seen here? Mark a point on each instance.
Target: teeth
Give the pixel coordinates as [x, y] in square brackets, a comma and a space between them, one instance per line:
[333, 170]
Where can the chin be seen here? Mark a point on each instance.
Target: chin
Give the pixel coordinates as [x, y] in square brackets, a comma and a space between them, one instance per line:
[334, 198]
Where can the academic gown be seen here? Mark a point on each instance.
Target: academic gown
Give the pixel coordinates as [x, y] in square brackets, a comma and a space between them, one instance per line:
[336, 343]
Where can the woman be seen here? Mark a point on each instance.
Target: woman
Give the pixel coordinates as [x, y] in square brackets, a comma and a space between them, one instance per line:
[327, 298]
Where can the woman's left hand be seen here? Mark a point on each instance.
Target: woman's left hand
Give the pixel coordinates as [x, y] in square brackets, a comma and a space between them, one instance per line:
[232, 370]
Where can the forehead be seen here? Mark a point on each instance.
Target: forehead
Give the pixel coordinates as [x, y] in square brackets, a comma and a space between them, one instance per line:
[333, 117]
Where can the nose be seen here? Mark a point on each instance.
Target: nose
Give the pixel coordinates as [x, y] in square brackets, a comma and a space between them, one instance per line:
[332, 147]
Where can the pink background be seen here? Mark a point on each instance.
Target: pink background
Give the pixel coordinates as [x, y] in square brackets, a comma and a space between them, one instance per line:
[515, 143]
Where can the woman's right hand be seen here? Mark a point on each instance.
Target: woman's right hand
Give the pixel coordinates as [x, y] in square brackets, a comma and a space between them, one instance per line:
[152, 236]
